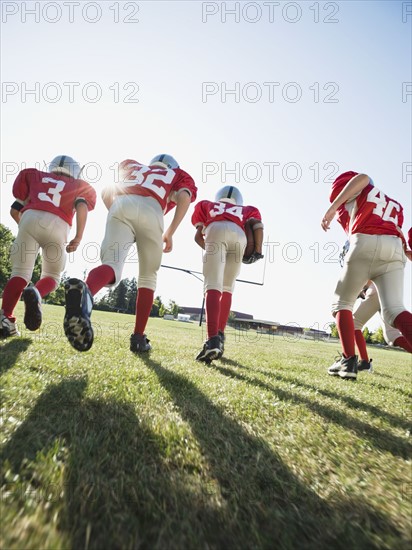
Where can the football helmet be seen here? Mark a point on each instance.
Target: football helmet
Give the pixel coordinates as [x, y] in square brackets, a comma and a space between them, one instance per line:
[229, 194]
[65, 165]
[164, 160]
[340, 183]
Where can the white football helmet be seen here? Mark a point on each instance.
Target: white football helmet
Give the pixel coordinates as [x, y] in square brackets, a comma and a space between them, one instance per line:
[65, 165]
[164, 160]
[229, 194]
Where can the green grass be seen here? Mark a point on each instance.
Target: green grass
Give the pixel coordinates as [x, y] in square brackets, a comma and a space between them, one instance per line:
[262, 449]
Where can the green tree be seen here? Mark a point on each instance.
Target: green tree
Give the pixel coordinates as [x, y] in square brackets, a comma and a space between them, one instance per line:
[6, 240]
[157, 304]
[57, 297]
[334, 330]
[367, 334]
[377, 337]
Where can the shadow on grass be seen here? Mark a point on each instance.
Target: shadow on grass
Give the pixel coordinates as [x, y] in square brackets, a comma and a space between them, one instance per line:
[10, 352]
[357, 405]
[267, 506]
[122, 486]
[380, 439]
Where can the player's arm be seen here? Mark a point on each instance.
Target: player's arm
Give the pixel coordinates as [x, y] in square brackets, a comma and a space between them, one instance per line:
[15, 209]
[257, 227]
[183, 200]
[199, 236]
[348, 193]
[81, 219]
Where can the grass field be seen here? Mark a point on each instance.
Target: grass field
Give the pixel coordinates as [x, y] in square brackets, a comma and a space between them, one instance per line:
[261, 449]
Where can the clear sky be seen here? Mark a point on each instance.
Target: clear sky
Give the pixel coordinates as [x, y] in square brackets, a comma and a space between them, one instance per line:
[274, 97]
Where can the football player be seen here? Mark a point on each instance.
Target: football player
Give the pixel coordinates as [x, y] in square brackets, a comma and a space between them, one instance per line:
[136, 211]
[373, 222]
[44, 209]
[220, 231]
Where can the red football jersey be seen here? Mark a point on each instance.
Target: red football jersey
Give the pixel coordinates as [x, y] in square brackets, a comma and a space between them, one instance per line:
[207, 212]
[155, 181]
[371, 212]
[55, 193]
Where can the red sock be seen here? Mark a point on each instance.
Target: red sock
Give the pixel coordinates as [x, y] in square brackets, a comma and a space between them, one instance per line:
[403, 323]
[45, 286]
[402, 343]
[225, 303]
[212, 312]
[11, 295]
[144, 302]
[361, 345]
[100, 277]
[346, 329]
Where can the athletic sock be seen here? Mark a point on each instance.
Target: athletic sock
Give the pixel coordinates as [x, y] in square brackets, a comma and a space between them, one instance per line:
[225, 303]
[346, 329]
[46, 285]
[402, 343]
[361, 345]
[11, 295]
[403, 323]
[212, 312]
[144, 302]
[100, 277]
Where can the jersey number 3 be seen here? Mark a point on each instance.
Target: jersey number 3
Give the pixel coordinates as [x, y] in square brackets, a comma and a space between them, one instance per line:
[53, 194]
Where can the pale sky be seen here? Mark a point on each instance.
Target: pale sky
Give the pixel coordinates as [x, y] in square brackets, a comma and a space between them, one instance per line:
[276, 98]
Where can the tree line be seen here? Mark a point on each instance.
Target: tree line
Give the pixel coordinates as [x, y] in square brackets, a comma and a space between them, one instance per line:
[121, 298]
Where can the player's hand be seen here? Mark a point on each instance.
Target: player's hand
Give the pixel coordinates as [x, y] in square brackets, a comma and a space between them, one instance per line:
[72, 246]
[327, 218]
[168, 242]
[254, 257]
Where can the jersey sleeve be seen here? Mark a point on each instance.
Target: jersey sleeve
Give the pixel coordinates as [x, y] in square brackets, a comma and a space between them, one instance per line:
[253, 214]
[186, 183]
[86, 194]
[199, 215]
[21, 186]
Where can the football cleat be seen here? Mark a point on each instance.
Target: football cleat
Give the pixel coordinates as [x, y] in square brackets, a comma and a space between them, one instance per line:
[32, 304]
[212, 349]
[365, 365]
[7, 328]
[65, 165]
[334, 369]
[167, 160]
[139, 343]
[77, 326]
[349, 367]
[229, 194]
[222, 340]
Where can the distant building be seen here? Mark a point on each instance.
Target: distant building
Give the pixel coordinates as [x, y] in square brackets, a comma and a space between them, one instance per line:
[194, 313]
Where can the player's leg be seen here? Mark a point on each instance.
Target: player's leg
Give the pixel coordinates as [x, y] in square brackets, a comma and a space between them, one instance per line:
[52, 234]
[236, 246]
[23, 255]
[148, 228]
[79, 299]
[389, 279]
[362, 312]
[355, 274]
[214, 261]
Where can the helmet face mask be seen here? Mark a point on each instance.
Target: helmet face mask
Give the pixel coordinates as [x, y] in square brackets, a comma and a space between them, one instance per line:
[164, 160]
[229, 194]
[65, 165]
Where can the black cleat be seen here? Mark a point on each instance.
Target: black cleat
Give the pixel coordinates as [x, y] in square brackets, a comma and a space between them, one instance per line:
[349, 367]
[365, 366]
[32, 304]
[77, 326]
[212, 349]
[139, 343]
